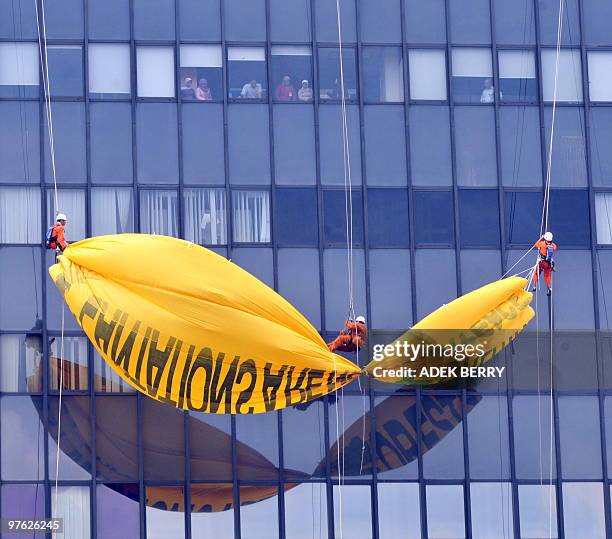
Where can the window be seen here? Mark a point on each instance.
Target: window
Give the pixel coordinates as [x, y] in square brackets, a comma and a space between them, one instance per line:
[470, 22]
[18, 21]
[204, 216]
[157, 143]
[296, 215]
[20, 215]
[19, 75]
[259, 520]
[154, 19]
[248, 134]
[109, 19]
[517, 76]
[569, 79]
[201, 73]
[331, 142]
[569, 148]
[596, 14]
[356, 515]
[429, 26]
[294, 145]
[299, 283]
[159, 212]
[111, 142]
[603, 218]
[257, 261]
[159, 520]
[306, 510]
[72, 203]
[251, 216]
[245, 20]
[600, 80]
[109, 70]
[21, 363]
[385, 145]
[519, 146]
[207, 523]
[491, 509]
[74, 364]
[113, 500]
[247, 73]
[390, 289]
[69, 141]
[430, 147]
[327, 21]
[335, 217]
[64, 20]
[329, 73]
[19, 141]
[200, 21]
[23, 502]
[65, 70]
[383, 74]
[569, 217]
[549, 18]
[112, 210]
[514, 22]
[583, 510]
[434, 265]
[292, 73]
[388, 218]
[535, 505]
[601, 138]
[480, 267]
[260, 433]
[305, 453]
[106, 380]
[290, 21]
[155, 71]
[380, 21]
[522, 213]
[433, 214]
[475, 146]
[479, 217]
[569, 293]
[427, 74]
[472, 76]
[445, 517]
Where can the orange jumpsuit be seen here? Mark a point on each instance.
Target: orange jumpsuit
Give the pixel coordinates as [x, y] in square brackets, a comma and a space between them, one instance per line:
[545, 264]
[58, 234]
[350, 339]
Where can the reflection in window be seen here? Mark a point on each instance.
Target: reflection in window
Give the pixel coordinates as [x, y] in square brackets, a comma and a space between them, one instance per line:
[73, 507]
[445, 518]
[434, 221]
[294, 145]
[427, 74]
[570, 216]
[479, 217]
[164, 519]
[20, 268]
[390, 289]
[109, 70]
[296, 214]
[491, 508]
[475, 146]
[395, 499]
[247, 72]
[69, 139]
[19, 76]
[251, 216]
[155, 71]
[163, 460]
[299, 283]
[306, 509]
[20, 215]
[353, 516]
[292, 73]
[117, 510]
[257, 261]
[569, 79]
[600, 75]
[259, 433]
[388, 222]
[23, 501]
[205, 427]
[472, 76]
[383, 74]
[112, 210]
[548, 15]
[20, 136]
[522, 216]
[535, 504]
[521, 156]
[22, 438]
[74, 363]
[304, 453]
[583, 510]
[600, 129]
[72, 203]
[569, 148]
[65, 70]
[106, 380]
[329, 73]
[20, 363]
[204, 216]
[159, 212]
[335, 217]
[216, 523]
[259, 520]
[201, 72]
[517, 76]
[603, 218]
[430, 147]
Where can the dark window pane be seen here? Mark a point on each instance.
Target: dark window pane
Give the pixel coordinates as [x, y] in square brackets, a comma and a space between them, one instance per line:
[200, 20]
[472, 75]
[118, 510]
[491, 510]
[65, 70]
[73, 363]
[202, 144]
[163, 517]
[569, 217]
[156, 139]
[18, 20]
[19, 75]
[290, 20]
[331, 143]
[479, 267]
[259, 433]
[299, 283]
[517, 76]
[390, 289]
[20, 210]
[294, 145]
[430, 149]
[112, 210]
[19, 142]
[251, 216]
[327, 21]
[109, 19]
[430, 24]
[570, 292]
[445, 513]
[597, 15]
[205, 216]
[470, 22]
[521, 156]
[304, 453]
[522, 213]
[201, 73]
[247, 78]
[475, 146]
[159, 212]
[63, 20]
[292, 73]
[210, 439]
[245, 20]
[163, 455]
[514, 22]
[383, 74]
[479, 217]
[20, 363]
[388, 218]
[111, 142]
[334, 215]
[257, 261]
[434, 266]
[23, 501]
[583, 510]
[549, 19]
[380, 21]
[154, 19]
[296, 214]
[538, 510]
[69, 143]
[249, 144]
[329, 73]
[601, 140]
[433, 211]
[385, 145]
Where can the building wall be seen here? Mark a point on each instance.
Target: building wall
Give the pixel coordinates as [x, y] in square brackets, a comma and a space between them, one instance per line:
[448, 109]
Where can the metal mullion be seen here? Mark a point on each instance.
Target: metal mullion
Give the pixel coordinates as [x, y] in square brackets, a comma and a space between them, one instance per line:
[179, 122]
[141, 483]
[422, 485]
[133, 92]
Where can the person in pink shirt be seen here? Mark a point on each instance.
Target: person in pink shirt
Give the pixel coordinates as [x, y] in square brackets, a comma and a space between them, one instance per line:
[285, 90]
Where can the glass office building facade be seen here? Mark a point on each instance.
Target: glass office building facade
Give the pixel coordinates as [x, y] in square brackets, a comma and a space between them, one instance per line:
[219, 121]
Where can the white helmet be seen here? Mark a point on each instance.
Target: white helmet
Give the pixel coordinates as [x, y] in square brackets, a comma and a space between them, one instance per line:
[61, 217]
[360, 319]
[548, 236]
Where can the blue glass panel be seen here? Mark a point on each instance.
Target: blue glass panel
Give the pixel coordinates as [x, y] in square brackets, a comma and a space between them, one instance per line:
[398, 499]
[475, 146]
[19, 142]
[63, 20]
[290, 20]
[335, 217]
[249, 144]
[569, 217]
[523, 211]
[157, 143]
[430, 148]
[479, 267]
[259, 520]
[256, 260]
[425, 21]
[331, 155]
[388, 218]
[327, 21]
[245, 20]
[296, 215]
[330, 87]
[538, 511]
[570, 292]
[161, 520]
[294, 145]
[434, 266]
[356, 516]
[154, 19]
[217, 524]
[491, 510]
[381, 22]
[514, 22]
[583, 511]
[569, 149]
[117, 510]
[200, 20]
[65, 70]
[259, 432]
[548, 12]
[601, 139]
[470, 22]
[18, 20]
[479, 217]
[24, 502]
[433, 214]
[304, 453]
[390, 289]
[597, 15]
[306, 509]
[385, 145]
[162, 463]
[69, 143]
[382, 73]
[604, 268]
[445, 515]
[109, 19]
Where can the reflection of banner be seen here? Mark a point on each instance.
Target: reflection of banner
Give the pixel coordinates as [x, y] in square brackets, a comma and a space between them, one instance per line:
[187, 327]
